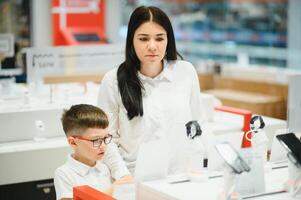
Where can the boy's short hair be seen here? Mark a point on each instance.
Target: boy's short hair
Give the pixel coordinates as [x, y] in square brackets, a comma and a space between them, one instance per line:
[80, 117]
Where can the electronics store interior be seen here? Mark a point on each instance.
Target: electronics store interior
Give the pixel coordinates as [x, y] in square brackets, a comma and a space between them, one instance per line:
[71, 126]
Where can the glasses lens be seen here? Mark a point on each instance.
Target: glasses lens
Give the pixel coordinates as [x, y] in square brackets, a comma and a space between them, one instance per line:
[108, 139]
[97, 143]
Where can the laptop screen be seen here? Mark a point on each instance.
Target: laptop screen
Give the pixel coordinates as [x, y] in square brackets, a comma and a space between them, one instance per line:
[152, 161]
[294, 104]
[22, 125]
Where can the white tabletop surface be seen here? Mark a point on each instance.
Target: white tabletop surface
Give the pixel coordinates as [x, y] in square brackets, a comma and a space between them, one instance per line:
[209, 190]
[22, 156]
[32, 145]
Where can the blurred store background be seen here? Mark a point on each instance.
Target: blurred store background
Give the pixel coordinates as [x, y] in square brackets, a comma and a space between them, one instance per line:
[220, 30]
[233, 44]
[259, 32]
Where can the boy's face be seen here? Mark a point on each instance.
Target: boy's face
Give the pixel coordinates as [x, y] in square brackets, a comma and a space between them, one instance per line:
[87, 147]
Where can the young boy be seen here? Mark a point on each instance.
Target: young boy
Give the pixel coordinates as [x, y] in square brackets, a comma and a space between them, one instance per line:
[86, 128]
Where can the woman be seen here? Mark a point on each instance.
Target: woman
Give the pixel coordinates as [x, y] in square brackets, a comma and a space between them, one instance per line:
[151, 92]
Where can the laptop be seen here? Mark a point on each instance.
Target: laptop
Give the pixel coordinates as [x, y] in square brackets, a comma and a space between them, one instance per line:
[24, 125]
[152, 161]
[278, 153]
[294, 103]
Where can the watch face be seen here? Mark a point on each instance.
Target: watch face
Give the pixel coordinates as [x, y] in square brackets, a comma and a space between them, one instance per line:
[193, 129]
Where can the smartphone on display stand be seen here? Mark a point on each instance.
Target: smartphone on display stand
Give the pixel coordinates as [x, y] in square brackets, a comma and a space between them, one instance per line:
[293, 146]
[233, 159]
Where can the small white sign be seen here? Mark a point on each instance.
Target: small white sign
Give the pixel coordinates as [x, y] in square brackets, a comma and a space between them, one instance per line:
[72, 60]
[7, 45]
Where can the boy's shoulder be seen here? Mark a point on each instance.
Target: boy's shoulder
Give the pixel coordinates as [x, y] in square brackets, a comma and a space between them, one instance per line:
[66, 169]
[63, 170]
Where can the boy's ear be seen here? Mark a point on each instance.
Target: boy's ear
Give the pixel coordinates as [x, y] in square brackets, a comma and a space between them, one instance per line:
[71, 141]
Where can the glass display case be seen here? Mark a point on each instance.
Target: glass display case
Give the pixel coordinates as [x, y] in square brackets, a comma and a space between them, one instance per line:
[15, 20]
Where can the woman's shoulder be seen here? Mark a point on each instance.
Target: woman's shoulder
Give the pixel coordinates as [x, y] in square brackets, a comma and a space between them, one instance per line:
[182, 65]
[110, 76]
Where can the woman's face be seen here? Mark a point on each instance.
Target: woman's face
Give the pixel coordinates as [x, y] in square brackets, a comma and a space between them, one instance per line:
[150, 41]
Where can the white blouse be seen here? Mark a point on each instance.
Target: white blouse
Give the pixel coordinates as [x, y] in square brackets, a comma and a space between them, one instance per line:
[169, 99]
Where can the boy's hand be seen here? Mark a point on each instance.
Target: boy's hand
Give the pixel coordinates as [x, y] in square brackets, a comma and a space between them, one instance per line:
[124, 180]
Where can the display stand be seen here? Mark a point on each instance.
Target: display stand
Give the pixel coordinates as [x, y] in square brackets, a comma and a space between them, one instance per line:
[293, 185]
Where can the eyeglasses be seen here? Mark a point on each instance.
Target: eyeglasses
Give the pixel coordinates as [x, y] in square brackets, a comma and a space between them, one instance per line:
[97, 142]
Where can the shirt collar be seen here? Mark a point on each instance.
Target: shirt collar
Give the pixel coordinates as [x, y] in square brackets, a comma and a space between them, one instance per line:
[166, 74]
[81, 168]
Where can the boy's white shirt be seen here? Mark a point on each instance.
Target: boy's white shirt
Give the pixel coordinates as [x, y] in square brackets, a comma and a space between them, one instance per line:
[74, 173]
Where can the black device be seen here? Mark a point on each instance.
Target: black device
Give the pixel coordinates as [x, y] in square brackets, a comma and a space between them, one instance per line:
[86, 37]
[232, 158]
[254, 126]
[193, 129]
[293, 145]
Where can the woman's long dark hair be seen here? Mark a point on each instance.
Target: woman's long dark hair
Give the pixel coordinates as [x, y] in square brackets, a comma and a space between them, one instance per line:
[129, 84]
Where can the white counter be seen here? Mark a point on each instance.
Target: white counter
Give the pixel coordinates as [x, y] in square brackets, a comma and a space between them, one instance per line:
[30, 160]
[209, 190]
